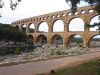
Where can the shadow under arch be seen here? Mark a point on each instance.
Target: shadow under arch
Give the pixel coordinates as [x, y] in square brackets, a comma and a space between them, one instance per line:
[41, 40]
[30, 39]
[75, 40]
[23, 28]
[57, 25]
[17, 27]
[57, 40]
[94, 41]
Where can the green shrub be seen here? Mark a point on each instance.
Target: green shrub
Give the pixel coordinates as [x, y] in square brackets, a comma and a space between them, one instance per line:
[59, 52]
[2, 52]
[32, 50]
[52, 53]
[17, 51]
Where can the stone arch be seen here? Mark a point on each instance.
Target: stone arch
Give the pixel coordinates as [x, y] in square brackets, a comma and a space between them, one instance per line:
[58, 25]
[94, 19]
[75, 40]
[90, 11]
[30, 39]
[43, 27]
[41, 39]
[83, 12]
[76, 24]
[23, 28]
[31, 28]
[17, 27]
[93, 39]
[57, 40]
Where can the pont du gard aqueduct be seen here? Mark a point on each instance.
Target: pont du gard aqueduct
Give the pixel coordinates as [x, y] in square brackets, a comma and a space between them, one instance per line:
[49, 37]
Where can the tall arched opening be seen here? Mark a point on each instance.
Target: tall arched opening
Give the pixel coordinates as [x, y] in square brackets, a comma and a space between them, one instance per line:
[95, 19]
[31, 28]
[94, 41]
[57, 40]
[43, 27]
[58, 26]
[76, 24]
[41, 40]
[75, 41]
[23, 28]
[17, 27]
[30, 40]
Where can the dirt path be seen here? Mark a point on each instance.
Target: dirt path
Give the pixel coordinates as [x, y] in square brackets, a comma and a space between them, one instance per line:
[45, 66]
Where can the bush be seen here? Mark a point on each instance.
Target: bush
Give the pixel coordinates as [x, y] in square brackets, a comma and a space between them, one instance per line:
[2, 52]
[59, 52]
[17, 51]
[52, 53]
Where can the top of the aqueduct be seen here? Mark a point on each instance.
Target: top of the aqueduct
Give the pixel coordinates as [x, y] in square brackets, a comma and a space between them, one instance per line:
[64, 13]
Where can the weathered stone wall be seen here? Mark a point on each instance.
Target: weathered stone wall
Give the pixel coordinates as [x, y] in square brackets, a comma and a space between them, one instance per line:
[66, 16]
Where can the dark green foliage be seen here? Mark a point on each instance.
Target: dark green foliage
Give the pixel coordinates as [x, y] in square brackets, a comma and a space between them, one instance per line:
[31, 30]
[10, 33]
[94, 25]
[77, 40]
[6, 50]
[73, 4]
[17, 51]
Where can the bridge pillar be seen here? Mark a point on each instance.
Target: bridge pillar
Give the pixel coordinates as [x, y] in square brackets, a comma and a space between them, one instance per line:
[35, 43]
[36, 29]
[65, 22]
[20, 27]
[65, 27]
[27, 28]
[49, 42]
[65, 42]
[86, 39]
[86, 28]
[86, 19]
[85, 44]
[50, 26]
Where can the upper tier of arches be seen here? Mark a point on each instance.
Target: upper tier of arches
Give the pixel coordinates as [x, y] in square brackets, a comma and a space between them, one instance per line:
[62, 19]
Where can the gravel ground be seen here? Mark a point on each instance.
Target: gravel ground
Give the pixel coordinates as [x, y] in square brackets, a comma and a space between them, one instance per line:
[46, 52]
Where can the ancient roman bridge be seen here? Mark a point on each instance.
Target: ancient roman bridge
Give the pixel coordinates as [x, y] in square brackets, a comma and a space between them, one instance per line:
[85, 13]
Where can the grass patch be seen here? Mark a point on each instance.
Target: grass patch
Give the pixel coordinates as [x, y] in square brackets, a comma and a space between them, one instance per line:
[89, 68]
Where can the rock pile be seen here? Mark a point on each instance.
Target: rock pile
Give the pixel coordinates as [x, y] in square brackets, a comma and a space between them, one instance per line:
[45, 52]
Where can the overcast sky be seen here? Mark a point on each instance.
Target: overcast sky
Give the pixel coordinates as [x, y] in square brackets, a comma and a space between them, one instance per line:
[31, 8]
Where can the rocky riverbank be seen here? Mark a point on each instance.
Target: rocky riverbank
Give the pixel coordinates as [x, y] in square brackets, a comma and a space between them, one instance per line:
[43, 53]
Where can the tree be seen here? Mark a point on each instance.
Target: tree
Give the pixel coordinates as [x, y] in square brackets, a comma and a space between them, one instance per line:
[94, 25]
[13, 4]
[73, 4]
[10, 33]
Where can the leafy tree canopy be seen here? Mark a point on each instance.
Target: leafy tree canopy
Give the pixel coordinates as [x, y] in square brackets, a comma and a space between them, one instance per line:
[10, 33]
[73, 4]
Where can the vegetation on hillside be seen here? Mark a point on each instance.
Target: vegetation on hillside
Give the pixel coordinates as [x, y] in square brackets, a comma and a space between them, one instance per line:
[12, 40]
[9, 33]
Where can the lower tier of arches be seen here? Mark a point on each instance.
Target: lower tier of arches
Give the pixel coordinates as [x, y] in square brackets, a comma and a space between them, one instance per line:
[63, 39]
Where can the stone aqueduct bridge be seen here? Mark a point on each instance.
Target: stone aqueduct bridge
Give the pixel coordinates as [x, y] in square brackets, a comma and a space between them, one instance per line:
[82, 12]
